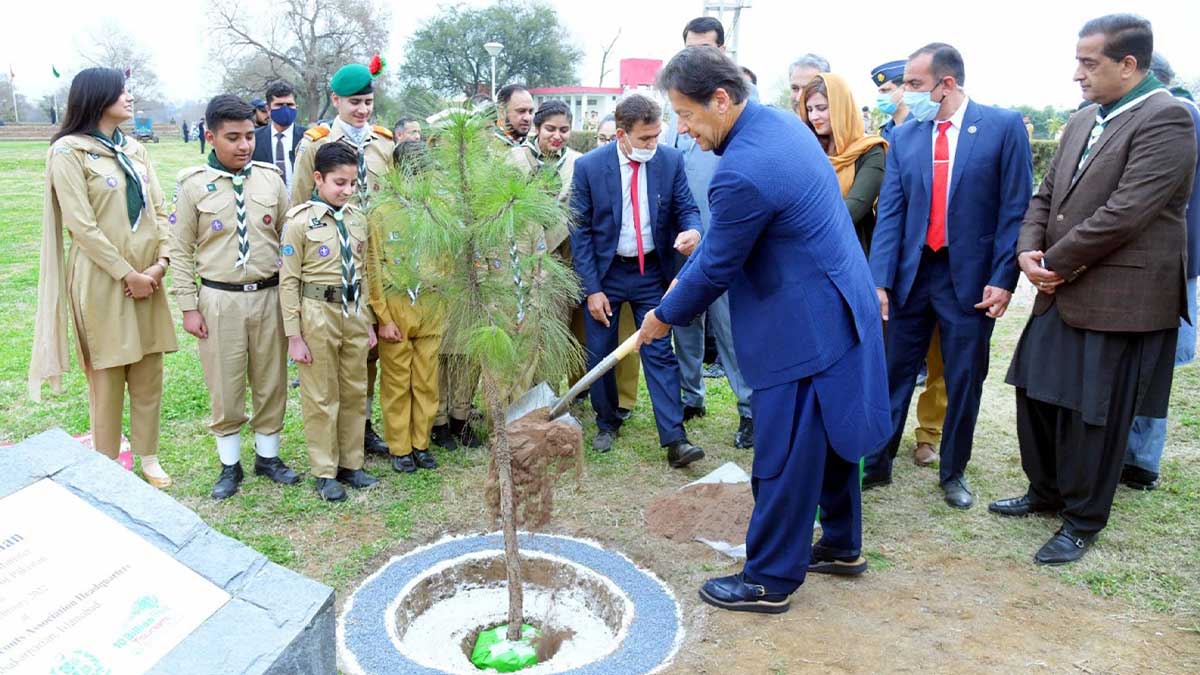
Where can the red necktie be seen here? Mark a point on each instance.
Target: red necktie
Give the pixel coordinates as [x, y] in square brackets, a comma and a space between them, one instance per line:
[936, 238]
[637, 217]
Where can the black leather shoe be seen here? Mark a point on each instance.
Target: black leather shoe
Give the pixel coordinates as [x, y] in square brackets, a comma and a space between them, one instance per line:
[682, 453]
[330, 490]
[825, 561]
[744, 438]
[1064, 547]
[603, 441]
[736, 594]
[624, 414]
[403, 464]
[443, 437]
[873, 480]
[356, 478]
[275, 469]
[957, 494]
[464, 433]
[1018, 507]
[228, 482]
[1138, 478]
[372, 443]
[691, 412]
[424, 459]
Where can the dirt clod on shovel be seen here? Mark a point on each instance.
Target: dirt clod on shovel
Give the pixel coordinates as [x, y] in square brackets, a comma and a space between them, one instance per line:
[543, 451]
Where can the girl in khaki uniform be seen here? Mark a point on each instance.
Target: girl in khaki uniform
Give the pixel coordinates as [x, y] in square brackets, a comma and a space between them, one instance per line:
[101, 187]
[328, 320]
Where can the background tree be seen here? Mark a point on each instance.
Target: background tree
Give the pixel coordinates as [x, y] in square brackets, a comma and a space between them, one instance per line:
[111, 46]
[302, 41]
[465, 225]
[446, 53]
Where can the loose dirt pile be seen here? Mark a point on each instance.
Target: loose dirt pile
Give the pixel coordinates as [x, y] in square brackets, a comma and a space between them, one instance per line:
[542, 452]
[711, 511]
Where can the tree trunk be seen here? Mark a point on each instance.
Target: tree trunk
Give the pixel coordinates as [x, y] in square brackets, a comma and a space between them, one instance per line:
[512, 558]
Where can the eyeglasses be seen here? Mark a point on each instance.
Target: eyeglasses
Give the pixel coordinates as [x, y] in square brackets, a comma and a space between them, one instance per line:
[602, 139]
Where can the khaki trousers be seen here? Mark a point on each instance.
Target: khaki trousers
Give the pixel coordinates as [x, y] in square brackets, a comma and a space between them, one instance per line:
[106, 402]
[931, 405]
[458, 379]
[245, 339]
[627, 369]
[408, 384]
[333, 388]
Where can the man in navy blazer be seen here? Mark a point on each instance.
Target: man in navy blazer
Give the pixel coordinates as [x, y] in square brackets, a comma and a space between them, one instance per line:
[633, 210]
[806, 328]
[283, 132]
[956, 186]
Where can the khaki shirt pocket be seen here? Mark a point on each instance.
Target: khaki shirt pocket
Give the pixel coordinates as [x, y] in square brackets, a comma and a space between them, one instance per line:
[261, 209]
[215, 216]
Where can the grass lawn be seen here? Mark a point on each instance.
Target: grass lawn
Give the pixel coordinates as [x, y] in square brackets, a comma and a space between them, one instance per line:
[1147, 561]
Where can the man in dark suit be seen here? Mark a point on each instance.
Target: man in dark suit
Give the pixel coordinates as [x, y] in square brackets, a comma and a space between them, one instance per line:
[276, 142]
[806, 328]
[1104, 242]
[957, 181]
[632, 210]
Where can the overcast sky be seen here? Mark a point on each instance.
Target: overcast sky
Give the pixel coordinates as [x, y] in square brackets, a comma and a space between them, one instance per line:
[1016, 51]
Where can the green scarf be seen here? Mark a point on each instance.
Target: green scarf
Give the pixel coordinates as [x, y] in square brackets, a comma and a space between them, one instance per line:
[135, 192]
[1147, 85]
[239, 184]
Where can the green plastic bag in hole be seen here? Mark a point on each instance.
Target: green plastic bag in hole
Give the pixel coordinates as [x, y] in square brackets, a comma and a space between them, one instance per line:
[493, 651]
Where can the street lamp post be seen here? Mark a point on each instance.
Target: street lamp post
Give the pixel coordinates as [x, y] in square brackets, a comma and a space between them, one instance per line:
[493, 49]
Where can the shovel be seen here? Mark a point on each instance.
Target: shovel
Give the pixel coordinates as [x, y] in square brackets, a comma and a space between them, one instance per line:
[542, 396]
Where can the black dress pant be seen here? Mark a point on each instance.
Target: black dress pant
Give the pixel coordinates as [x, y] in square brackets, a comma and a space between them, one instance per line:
[1073, 465]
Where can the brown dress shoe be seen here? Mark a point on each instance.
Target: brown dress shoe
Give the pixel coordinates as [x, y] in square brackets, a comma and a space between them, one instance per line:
[924, 454]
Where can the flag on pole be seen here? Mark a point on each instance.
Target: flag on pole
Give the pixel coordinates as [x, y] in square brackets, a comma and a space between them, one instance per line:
[54, 70]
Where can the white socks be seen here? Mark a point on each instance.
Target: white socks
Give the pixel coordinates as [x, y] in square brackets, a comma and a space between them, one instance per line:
[229, 448]
[151, 467]
[267, 446]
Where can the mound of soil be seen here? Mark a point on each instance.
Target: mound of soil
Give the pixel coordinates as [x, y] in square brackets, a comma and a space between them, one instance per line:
[713, 511]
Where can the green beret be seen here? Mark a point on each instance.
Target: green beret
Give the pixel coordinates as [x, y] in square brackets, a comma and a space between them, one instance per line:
[353, 79]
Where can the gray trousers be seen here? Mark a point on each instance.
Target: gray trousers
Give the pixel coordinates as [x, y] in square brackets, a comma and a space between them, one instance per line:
[689, 350]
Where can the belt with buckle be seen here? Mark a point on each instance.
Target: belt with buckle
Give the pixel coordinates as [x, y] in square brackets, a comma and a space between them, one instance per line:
[270, 282]
[323, 292]
[648, 256]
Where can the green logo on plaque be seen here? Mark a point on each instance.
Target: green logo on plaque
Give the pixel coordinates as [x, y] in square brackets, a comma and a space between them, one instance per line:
[80, 662]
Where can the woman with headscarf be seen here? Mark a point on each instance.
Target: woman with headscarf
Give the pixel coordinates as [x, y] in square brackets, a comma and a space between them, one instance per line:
[101, 187]
[828, 108]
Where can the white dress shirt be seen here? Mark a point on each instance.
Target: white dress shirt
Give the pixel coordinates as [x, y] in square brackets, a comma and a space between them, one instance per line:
[956, 121]
[627, 241]
[287, 148]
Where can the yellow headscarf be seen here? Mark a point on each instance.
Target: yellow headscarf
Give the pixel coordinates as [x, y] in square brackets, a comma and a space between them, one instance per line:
[845, 120]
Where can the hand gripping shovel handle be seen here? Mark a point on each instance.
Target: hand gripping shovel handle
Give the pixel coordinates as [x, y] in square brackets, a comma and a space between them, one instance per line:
[596, 373]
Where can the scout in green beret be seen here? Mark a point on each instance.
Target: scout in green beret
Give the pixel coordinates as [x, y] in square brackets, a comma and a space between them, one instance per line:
[353, 96]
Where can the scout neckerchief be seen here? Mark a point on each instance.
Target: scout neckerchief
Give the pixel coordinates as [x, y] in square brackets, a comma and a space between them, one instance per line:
[506, 136]
[359, 136]
[135, 192]
[1148, 87]
[350, 281]
[547, 164]
[239, 183]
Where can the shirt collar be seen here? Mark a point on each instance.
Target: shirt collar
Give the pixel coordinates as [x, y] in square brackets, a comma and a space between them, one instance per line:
[956, 120]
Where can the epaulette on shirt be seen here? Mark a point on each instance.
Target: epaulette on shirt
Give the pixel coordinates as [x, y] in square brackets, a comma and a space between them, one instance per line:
[297, 209]
[184, 174]
[268, 166]
[316, 133]
[383, 131]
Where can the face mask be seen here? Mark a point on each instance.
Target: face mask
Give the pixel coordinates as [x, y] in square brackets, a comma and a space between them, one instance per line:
[642, 155]
[283, 116]
[885, 104]
[922, 107]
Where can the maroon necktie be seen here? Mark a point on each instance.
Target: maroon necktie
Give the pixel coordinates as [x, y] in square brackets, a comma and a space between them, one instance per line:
[936, 238]
[637, 217]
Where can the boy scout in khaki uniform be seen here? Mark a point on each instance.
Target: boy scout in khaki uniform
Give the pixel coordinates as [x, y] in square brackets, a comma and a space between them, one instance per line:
[225, 231]
[353, 97]
[410, 336]
[328, 323]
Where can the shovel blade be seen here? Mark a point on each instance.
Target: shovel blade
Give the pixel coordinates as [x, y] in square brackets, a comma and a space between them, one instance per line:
[541, 396]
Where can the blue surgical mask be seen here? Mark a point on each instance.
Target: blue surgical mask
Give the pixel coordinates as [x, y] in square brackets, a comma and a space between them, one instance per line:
[885, 104]
[922, 107]
[283, 116]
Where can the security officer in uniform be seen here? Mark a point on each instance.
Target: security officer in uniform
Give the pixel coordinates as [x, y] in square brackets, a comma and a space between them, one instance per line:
[889, 79]
[328, 320]
[354, 98]
[226, 232]
[410, 335]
